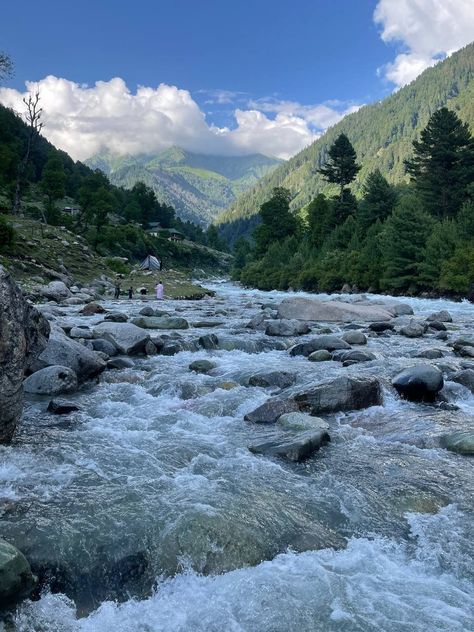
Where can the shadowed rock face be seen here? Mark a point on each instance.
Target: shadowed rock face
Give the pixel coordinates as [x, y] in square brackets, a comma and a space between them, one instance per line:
[23, 336]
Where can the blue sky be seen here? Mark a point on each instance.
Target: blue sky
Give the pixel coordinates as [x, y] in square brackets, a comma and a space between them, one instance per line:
[246, 76]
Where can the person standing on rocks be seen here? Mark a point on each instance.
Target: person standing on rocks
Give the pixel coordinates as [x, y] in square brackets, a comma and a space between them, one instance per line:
[130, 292]
[159, 290]
[117, 288]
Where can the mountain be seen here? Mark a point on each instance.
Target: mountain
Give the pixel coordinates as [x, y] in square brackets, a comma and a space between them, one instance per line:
[382, 134]
[198, 186]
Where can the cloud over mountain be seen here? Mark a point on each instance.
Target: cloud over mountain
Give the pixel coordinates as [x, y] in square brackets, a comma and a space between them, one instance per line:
[84, 120]
[428, 30]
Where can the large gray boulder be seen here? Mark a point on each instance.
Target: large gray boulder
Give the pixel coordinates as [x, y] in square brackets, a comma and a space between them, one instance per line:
[294, 448]
[443, 316]
[412, 330]
[466, 378]
[420, 383]
[354, 337]
[324, 342]
[286, 328]
[16, 579]
[127, 337]
[56, 291]
[330, 311]
[461, 441]
[163, 322]
[23, 336]
[63, 351]
[52, 380]
[279, 379]
[340, 394]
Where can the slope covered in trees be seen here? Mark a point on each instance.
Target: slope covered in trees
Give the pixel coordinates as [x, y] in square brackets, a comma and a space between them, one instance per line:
[417, 237]
[198, 186]
[381, 133]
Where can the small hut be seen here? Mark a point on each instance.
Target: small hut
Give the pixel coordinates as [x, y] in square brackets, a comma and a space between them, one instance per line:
[150, 263]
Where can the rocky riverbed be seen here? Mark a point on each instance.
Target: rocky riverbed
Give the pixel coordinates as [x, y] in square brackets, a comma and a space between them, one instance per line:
[250, 461]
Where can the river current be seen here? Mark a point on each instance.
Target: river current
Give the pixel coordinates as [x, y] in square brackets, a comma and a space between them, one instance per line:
[148, 512]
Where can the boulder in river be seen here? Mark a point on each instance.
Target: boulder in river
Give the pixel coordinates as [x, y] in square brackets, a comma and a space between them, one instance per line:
[466, 378]
[443, 316]
[269, 412]
[320, 356]
[120, 363]
[330, 311]
[354, 356]
[430, 354]
[412, 330]
[81, 332]
[92, 308]
[209, 341]
[63, 351]
[280, 379]
[116, 317]
[340, 394]
[127, 337]
[294, 448]
[461, 441]
[324, 342]
[61, 407]
[202, 366]
[161, 322]
[16, 579]
[380, 326]
[104, 346]
[420, 383]
[286, 328]
[23, 336]
[354, 337]
[301, 421]
[56, 291]
[437, 325]
[52, 380]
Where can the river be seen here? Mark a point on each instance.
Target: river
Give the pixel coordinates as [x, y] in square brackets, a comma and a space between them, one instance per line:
[150, 514]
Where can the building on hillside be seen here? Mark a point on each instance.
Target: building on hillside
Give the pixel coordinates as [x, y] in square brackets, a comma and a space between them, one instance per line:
[171, 234]
[154, 229]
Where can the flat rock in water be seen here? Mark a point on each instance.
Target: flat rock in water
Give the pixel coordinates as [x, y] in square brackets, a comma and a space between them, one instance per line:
[127, 337]
[301, 422]
[16, 579]
[280, 379]
[207, 323]
[52, 380]
[61, 407]
[420, 383]
[161, 322]
[269, 412]
[330, 311]
[461, 442]
[296, 448]
[340, 394]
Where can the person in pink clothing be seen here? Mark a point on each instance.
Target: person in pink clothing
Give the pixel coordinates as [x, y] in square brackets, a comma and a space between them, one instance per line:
[159, 290]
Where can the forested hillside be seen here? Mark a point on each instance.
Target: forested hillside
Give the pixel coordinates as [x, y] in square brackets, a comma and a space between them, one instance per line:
[198, 186]
[381, 133]
[412, 238]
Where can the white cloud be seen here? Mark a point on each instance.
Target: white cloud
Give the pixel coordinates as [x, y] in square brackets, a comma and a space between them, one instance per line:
[427, 29]
[84, 120]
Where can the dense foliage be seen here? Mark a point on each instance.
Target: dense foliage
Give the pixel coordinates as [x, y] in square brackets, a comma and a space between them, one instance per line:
[381, 133]
[54, 189]
[402, 239]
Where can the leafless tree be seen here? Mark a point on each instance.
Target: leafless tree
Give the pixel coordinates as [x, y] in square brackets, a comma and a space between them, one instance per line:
[35, 125]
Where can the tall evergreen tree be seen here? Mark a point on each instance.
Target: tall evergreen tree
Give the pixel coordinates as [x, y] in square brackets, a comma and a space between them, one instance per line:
[440, 246]
[379, 199]
[320, 218]
[341, 167]
[442, 166]
[277, 220]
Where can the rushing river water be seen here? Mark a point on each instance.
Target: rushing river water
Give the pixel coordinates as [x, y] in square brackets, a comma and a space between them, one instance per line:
[148, 512]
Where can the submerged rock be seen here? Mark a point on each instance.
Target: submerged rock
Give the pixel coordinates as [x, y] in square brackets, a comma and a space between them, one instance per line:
[61, 407]
[324, 342]
[23, 336]
[339, 394]
[16, 579]
[301, 421]
[52, 380]
[296, 448]
[461, 442]
[430, 354]
[420, 383]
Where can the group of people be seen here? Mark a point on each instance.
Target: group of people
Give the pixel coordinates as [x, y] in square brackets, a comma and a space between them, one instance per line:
[159, 288]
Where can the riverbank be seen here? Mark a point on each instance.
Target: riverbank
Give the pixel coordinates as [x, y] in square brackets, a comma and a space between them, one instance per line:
[145, 507]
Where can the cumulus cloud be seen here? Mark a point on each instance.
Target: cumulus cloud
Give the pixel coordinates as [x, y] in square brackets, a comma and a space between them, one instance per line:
[84, 120]
[427, 30]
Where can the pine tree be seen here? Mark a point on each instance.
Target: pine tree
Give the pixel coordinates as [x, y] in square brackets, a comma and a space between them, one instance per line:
[440, 246]
[443, 163]
[402, 243]
[53, 178]
[370, 258]
[277, 220]
[379, 199]
[320, 218]
[341, 167]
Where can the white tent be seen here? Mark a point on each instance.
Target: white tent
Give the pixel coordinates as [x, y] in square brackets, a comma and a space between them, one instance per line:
[150, 263]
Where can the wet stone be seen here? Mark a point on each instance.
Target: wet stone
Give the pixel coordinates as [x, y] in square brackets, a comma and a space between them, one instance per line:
[296, 448]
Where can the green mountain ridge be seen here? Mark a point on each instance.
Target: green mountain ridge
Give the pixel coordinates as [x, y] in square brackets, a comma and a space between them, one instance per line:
[198, 186]
[381, 133]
